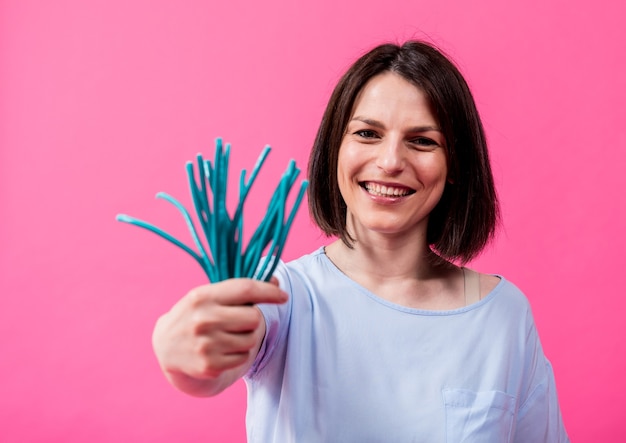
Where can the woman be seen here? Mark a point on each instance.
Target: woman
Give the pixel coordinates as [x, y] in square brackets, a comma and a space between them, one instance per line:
[380, 336]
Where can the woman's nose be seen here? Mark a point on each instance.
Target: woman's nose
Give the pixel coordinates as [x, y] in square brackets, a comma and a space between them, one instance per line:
[391, 156]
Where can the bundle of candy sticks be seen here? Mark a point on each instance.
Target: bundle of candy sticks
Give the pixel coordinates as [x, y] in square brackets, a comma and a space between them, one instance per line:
[222, 255]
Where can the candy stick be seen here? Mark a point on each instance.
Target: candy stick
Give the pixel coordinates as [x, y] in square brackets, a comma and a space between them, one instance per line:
[142, 224]
[190, 225]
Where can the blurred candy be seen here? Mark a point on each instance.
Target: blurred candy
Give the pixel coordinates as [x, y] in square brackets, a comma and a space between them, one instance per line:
[225, 257]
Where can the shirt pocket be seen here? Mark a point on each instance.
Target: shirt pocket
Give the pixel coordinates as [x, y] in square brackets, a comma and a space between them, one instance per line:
[480, 417]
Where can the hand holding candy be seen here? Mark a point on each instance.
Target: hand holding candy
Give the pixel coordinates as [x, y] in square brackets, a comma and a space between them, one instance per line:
[211, 336]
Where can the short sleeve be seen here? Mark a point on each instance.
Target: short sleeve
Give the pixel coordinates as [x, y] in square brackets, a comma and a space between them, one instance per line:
[539, 418]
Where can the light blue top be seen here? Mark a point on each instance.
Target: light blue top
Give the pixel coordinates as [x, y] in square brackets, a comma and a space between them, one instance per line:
[339, 364]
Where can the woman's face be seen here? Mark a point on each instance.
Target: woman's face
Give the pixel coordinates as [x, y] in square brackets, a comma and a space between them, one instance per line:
[392, 164]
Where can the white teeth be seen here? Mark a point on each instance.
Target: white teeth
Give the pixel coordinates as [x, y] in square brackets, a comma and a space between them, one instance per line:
[385, 191]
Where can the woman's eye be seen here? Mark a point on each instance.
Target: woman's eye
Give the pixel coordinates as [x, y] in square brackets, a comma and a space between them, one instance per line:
[425, 141]
[366, 133]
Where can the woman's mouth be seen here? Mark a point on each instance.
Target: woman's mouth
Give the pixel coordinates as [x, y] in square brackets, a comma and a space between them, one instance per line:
[386, 190]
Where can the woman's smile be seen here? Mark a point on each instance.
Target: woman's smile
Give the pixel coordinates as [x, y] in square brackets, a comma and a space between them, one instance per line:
[386, 190]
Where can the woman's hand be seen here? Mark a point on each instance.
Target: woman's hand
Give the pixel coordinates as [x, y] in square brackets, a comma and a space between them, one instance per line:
[211, 336]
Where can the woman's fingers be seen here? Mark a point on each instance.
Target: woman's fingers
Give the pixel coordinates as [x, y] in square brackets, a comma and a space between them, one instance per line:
[235, 319]
[246, 292]
[228, 343]
[238, 292]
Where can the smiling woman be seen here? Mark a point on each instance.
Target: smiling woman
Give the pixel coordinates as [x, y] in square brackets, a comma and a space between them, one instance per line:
[380, 335]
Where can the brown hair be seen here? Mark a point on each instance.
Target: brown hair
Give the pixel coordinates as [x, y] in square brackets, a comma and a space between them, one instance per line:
[465, 218]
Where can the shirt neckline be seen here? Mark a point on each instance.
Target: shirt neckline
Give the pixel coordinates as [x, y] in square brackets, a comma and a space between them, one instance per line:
[427, 312]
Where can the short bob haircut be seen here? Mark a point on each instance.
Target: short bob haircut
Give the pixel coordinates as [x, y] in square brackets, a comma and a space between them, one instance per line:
[465, 218]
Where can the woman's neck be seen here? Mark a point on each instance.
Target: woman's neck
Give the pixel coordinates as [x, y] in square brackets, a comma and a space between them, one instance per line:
[388, 255]
[402, 270]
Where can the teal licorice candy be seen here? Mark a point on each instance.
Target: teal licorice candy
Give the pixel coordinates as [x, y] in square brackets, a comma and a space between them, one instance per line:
[222, 254]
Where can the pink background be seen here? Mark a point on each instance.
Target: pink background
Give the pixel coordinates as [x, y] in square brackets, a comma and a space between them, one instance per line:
[103, 101]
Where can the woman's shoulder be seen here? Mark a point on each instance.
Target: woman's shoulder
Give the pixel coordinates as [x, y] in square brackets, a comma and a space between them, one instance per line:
[308, 266]
[497, 288]
[487, 283]
[307, 262]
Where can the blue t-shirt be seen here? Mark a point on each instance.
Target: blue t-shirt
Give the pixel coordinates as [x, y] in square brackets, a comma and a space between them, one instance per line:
[339, 364]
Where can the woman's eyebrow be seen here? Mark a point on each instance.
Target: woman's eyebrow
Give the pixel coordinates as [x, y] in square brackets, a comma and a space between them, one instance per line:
[425, 129]
[369, 121]
[378, 124]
